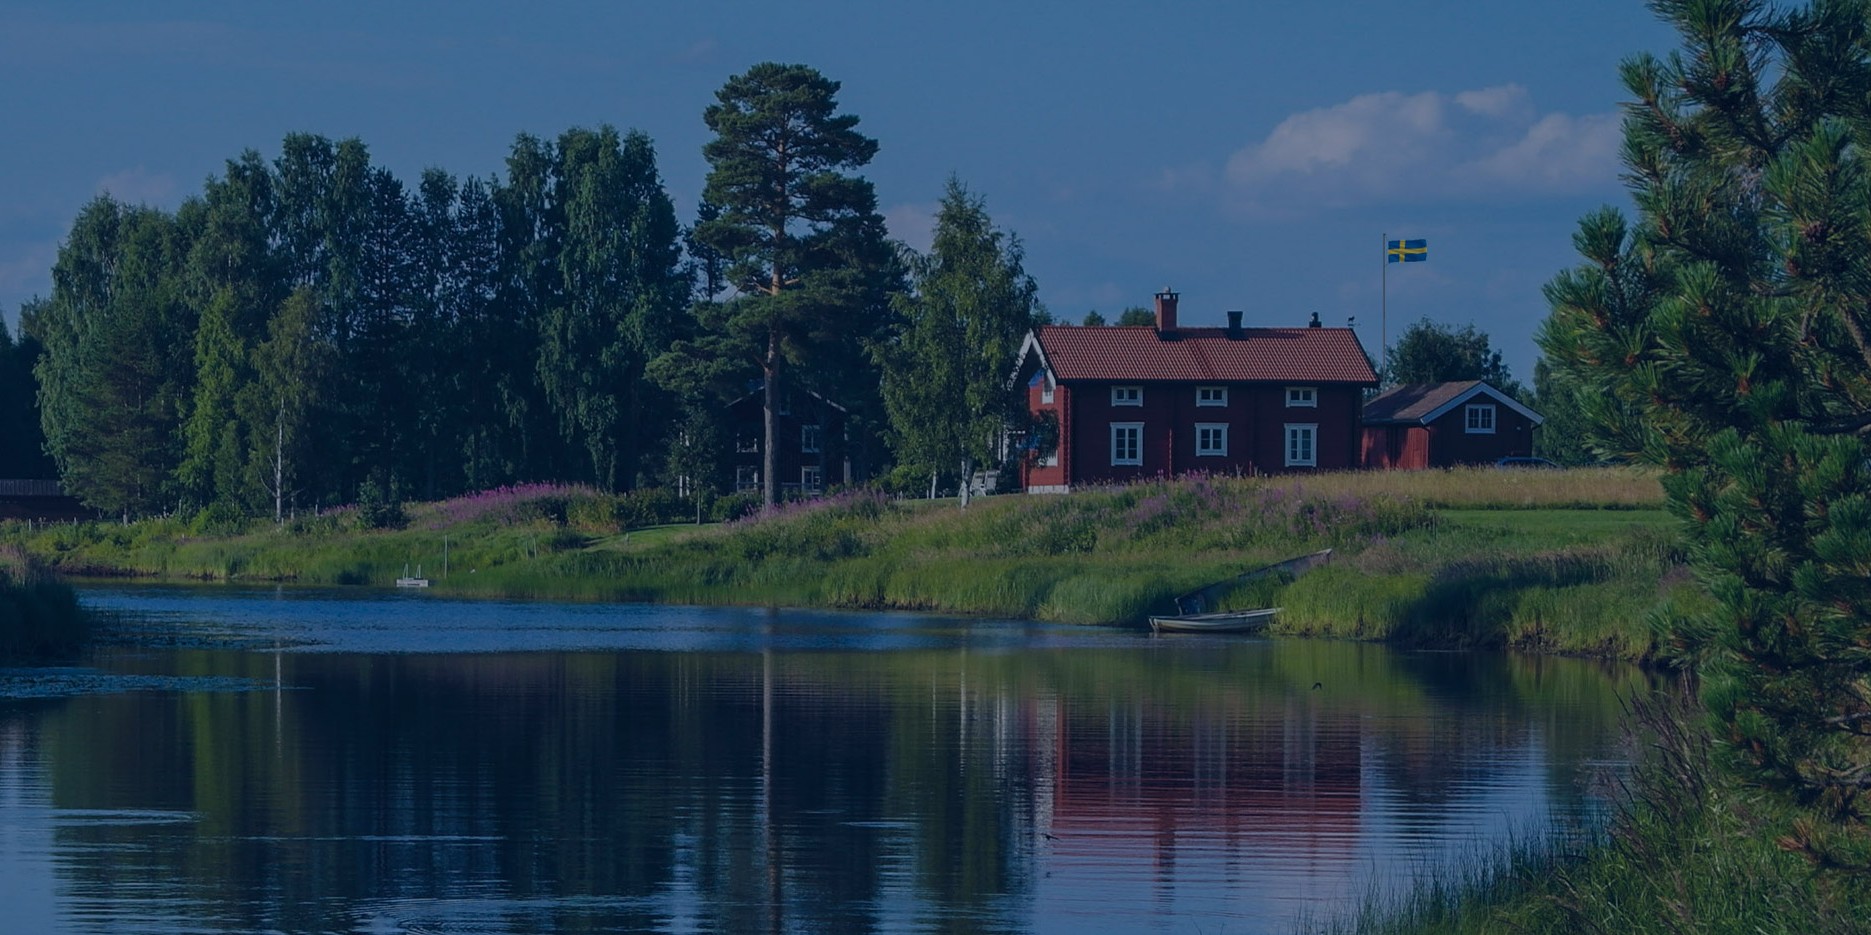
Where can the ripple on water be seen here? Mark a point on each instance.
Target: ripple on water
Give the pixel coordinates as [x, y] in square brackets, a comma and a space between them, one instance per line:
[73, 682]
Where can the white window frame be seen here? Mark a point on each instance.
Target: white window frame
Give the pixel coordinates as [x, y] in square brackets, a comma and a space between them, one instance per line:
[1211, 396]
[1298, 397]
[812, 478]
[1479, 418]
[811, 439]
[1136, 458]
[1045, 393]
[1310, 432]
[1218, 436]
[1127, 396]
[746, 477]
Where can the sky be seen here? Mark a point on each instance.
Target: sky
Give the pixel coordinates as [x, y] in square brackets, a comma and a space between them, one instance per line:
[1251, 156]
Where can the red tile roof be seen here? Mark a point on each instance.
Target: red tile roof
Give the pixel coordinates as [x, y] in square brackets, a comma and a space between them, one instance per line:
[1270, 355]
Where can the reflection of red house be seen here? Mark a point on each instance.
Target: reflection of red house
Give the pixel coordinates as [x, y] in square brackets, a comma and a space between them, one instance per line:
[1149, 401]
[1131, 777]
[1425, 425]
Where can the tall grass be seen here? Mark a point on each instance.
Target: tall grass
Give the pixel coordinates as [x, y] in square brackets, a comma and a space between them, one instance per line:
[39, 616]
[1555, 560]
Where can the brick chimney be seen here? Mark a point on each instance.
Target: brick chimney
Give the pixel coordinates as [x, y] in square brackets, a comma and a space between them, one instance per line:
[1166, 311]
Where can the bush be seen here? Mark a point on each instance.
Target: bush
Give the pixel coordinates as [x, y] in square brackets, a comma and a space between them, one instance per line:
[218, 519]
[735, 506]
[378, 508]
[652, 506]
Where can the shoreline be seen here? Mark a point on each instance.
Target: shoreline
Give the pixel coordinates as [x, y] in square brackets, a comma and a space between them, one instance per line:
[1551, 562]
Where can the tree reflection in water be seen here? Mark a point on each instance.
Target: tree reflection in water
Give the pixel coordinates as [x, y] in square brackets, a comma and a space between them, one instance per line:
[1133, 784]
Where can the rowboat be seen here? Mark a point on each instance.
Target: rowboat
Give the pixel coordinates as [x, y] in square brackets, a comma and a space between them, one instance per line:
[412, 581]
[1233, 621]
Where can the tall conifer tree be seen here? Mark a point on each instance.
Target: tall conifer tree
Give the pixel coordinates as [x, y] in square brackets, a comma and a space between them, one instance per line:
[800, 232]
[1729, 328]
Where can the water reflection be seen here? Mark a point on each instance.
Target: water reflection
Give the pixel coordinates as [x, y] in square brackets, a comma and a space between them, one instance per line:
[1002, 779]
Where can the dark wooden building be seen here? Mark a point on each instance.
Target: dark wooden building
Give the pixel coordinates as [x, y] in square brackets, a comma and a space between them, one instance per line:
[1432, 425]
[812, 450]
[1118, 404]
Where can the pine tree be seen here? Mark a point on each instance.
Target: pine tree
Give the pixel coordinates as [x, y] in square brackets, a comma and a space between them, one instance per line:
[1726, 329]
[801, 235]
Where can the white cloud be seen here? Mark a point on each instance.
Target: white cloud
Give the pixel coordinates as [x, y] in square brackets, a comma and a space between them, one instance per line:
[914, 224]
[1558, 152]
[138, 186]
[1392, 146]
[1507, 100]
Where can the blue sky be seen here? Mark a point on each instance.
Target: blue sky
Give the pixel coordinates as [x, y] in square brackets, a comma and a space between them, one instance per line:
[1251, 155]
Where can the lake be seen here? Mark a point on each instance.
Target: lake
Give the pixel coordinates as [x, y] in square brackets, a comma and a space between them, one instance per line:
[336, 760]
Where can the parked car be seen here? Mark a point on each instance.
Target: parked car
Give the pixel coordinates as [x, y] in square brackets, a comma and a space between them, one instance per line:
[1517, 462]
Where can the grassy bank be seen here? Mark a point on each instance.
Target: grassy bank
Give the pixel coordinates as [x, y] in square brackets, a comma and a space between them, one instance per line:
[39, 616]
[1574, 561]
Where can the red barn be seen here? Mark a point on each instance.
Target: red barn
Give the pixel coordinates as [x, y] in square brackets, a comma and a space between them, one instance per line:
[1425, 425]
[1117, 404]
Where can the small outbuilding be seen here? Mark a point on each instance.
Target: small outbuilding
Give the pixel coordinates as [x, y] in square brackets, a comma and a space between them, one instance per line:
[1433, 425]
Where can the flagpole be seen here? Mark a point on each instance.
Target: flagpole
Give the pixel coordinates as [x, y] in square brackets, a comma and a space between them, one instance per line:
[1383, 305]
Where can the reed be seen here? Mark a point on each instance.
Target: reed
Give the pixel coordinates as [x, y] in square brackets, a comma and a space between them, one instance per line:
[39, 615]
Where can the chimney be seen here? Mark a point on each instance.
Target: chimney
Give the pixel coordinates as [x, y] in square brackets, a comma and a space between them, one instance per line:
[1314, 323]
[1234, 324]
[1165, 311]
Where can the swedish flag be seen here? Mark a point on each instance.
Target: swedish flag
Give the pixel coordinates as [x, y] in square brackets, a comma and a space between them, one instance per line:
[1406, 251]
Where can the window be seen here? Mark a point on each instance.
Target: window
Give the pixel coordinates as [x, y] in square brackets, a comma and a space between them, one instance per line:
[1045, 394]
[746, 477]
[1300, 450]
[747, 443]
[1211, 396]
[1297, 396]
[1211, 439]
[1481, 419]
[1127, 443]
[1127, 396]
[811, 478]
[809, 438]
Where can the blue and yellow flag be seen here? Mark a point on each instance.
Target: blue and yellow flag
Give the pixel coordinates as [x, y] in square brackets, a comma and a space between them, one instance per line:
[1407, 251]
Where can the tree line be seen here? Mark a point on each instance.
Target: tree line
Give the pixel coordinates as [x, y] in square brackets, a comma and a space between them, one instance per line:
[311, 330]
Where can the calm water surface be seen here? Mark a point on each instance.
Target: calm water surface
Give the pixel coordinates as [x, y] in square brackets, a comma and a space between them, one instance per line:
[331, 760]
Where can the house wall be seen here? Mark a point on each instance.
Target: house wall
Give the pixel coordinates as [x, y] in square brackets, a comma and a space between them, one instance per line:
[1450, 444]
[1034, 473]
[1396, 447]
[1256, 417]
[746, 420]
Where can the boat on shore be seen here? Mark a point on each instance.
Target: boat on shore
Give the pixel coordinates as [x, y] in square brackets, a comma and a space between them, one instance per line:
[1192, 609]
[415, 581]
[1227, 621]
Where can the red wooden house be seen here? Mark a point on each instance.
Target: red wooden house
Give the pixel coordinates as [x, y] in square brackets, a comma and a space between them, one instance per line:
[1123, 403]
[1425, 425]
